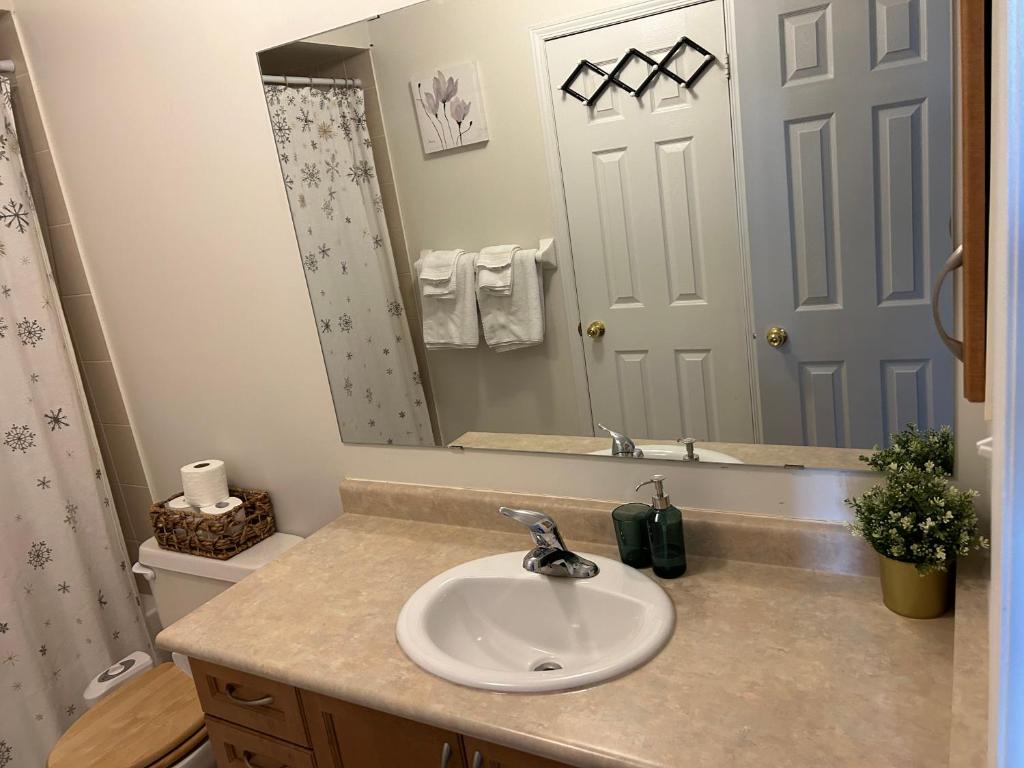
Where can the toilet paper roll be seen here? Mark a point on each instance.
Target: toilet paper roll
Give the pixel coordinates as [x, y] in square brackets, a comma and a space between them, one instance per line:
[224, 507]
[205, 482]
[179, 502]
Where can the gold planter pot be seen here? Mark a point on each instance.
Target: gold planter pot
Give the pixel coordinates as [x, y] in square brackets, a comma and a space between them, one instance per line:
[906, 592]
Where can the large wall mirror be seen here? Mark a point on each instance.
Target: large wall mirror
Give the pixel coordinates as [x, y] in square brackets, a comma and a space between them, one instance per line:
[710, 227]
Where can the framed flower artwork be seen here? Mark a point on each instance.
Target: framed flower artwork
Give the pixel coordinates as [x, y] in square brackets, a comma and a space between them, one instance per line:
[449, 108]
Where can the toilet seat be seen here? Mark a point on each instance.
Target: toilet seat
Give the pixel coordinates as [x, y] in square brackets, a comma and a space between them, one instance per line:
[153, 721]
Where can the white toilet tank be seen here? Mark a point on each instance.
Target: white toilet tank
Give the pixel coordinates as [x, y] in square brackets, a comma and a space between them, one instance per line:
[181, 583]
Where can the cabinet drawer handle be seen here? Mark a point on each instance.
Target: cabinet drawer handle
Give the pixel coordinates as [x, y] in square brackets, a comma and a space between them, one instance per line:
[953, 263]
[245, 760]
[446, 755]
[478, 759]
[264, 701]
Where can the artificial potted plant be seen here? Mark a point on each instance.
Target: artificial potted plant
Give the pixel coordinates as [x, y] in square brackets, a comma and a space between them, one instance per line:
[917, 521]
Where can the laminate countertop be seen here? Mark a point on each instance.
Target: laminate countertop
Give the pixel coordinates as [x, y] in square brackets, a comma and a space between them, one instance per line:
[768, 666]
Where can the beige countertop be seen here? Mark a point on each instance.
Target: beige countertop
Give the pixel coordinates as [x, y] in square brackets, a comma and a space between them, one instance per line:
[756, 454]
[768, 666]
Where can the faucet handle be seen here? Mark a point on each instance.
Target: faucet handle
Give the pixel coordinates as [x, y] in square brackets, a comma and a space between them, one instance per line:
[622, 445]
[542, 527]
[615, 435]
[527, 517]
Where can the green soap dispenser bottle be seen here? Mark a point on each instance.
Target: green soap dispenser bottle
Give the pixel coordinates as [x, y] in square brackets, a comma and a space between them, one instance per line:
[665, 528]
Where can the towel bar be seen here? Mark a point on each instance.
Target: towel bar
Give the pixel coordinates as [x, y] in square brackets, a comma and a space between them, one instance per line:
[545, 256]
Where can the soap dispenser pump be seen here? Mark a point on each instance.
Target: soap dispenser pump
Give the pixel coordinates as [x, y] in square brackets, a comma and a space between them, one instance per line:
[665, 529]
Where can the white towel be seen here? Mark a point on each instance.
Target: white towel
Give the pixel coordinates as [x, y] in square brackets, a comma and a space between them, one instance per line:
[494, 269]
[451, 322]
[496, 256]
[496, 281]
[437, 273]
[516, 320]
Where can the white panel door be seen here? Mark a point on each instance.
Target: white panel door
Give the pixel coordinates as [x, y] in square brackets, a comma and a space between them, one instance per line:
[650, 192]
[845, 116]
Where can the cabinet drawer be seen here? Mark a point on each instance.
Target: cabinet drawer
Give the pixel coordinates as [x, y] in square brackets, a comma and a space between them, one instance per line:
[235, 747]
[250, 701]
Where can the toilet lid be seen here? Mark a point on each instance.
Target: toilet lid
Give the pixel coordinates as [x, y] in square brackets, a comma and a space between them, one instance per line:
[136, 726]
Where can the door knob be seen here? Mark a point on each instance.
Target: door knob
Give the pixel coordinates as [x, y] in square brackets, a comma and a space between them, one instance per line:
[776, 336]
[596, 329]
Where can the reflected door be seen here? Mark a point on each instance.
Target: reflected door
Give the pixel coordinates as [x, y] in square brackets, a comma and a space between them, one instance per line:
[650, 193]
[848, 155]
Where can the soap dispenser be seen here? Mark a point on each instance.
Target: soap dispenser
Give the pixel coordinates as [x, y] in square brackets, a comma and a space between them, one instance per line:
[665, 529]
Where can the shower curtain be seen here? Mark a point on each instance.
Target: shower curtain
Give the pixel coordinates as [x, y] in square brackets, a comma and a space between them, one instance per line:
[68, 603]
[325, 153]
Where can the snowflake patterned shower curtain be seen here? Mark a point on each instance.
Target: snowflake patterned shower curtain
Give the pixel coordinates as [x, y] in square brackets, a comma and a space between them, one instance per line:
[68, 604]
[326, 160]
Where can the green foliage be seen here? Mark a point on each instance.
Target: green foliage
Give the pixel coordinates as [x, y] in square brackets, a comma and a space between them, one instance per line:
[918, 517]
[917, 448]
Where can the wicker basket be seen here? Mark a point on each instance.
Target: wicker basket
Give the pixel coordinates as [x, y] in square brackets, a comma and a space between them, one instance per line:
[217, 536]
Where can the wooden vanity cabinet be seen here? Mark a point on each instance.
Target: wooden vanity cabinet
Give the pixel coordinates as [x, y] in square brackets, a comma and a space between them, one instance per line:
[257, 723]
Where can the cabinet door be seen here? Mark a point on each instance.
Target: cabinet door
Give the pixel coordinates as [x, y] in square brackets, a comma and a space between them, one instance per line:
[348, 736]
[482, 754]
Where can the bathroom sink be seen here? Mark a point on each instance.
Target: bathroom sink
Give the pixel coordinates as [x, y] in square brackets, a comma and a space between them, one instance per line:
[490, 624]
[677, 453]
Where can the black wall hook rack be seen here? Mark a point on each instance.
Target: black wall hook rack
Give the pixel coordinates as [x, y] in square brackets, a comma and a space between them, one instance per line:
[657, 68]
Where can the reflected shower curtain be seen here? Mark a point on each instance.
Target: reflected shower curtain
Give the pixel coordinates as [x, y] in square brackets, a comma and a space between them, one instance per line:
[68, 604]
[327, 164]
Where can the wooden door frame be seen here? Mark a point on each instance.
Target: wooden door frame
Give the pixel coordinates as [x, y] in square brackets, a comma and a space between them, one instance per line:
[973, 91]
[540, 36]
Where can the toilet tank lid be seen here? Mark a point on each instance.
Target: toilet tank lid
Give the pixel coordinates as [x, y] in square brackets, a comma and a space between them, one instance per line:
[232, 570]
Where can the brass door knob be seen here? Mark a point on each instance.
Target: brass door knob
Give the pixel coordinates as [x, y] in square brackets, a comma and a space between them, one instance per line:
[776, 336]
[596, 329]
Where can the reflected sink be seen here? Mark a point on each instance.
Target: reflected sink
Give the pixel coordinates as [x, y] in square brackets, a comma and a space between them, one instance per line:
[677, 452]
[490, 624]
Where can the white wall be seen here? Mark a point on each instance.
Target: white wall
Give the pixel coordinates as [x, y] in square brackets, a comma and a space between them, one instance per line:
[162, 142]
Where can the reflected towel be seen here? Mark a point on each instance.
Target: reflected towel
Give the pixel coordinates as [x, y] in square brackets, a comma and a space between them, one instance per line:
[450, 322]
[437, 273]
[515, 320]
[494, 269]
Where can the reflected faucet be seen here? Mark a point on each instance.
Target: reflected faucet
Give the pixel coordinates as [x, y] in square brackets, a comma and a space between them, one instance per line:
[549, 557]
[689, 442]
[622, 445]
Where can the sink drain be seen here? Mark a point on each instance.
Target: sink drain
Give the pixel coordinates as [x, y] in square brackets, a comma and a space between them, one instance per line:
[547, 666]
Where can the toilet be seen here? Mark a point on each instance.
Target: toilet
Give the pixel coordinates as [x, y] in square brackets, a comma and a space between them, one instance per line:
[145, 716]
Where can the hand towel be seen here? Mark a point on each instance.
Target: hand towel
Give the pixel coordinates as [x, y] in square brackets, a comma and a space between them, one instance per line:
[496, 256]
[515, 320]
[494, 269]
[497, 281]
[437, 273]
[451, 322]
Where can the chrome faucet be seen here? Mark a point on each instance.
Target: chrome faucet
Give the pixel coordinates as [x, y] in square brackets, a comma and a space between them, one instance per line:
[622, 445]
[549, 557]
[688, 443]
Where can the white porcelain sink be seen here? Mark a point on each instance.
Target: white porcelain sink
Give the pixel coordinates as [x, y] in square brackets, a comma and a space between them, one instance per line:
[490, 624]
[677, 452]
